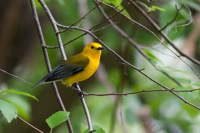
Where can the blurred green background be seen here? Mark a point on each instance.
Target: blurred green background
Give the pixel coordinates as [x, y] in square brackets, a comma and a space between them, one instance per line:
[150, 112]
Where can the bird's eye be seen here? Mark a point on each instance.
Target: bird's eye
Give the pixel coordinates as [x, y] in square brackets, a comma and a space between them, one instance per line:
[92, 47]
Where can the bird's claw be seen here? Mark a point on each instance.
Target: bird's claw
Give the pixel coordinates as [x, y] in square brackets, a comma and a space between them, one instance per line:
[80, 91]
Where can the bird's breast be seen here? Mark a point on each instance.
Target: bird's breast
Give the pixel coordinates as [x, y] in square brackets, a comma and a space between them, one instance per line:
[87, 72]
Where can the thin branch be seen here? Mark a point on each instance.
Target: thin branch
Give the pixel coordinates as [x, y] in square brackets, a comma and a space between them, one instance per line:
[83, 17]
[136, 92]
[178, 56]
[162, 33]
[15, 76]
[136, 46]
[59, 99]
[174, 19]
[190, 17]
[87, 113]
[27, 123]
[130, 19]
[53, 22]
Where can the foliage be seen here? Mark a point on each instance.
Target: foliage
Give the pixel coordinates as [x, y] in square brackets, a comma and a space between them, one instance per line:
[9, 107]
[8, 110]
[56, 119]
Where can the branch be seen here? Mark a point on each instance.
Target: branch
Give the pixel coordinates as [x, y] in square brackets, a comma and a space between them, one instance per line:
[15, 76]
[135, 45]
[35, 128]
[162, 42]
[87, 113]
[136, 92]
[174, 19]
[59, 99]
[53, 22]
[162, 33]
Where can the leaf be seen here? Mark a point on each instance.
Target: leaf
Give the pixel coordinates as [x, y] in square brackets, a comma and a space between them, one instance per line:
[154, 8]
[22, 105]
[183, 80]
[119, 7]
[113, 2]
[143, 4]
[18, 93]
[57, 118]
[151, 55]
[97, 129]
[8, 110]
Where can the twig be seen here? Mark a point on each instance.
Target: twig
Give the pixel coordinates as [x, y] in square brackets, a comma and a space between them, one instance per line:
[83, 17]
[159, 30]
[136, 46]
[35, 128]
[136, 92]
[15, 76]
[190, 17]
[174, 19]
[168, 39]
[87, 113]
[48, 61]
[130, 19]
[163, 34]
[53, 22]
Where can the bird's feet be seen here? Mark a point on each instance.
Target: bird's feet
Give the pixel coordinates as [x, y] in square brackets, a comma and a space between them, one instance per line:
[79, 91]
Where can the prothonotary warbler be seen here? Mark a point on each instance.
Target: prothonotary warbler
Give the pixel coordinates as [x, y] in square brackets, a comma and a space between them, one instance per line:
[76, 68]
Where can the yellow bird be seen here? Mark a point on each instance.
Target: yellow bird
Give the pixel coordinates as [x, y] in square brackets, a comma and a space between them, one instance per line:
[77, 68]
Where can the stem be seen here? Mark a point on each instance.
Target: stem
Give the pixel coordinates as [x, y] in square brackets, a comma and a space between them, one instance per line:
[21, 119]
[48, 61]
[162, 33]
[86, 110]
[53, 22]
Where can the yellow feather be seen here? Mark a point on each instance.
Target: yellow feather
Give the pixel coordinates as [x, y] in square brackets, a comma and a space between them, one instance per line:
[77, 68]
[93, 52]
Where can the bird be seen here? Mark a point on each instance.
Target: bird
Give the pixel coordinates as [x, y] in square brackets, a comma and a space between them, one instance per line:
[76, 68]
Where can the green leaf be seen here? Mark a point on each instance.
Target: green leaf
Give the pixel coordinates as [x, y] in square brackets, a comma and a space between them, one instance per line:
[57, 118]
[8, 110]
[97, 129]
[154, 8]
[117, 4]
[18, 93]
[22, 105]
[183, 80]
[120, 7]
[151, 55]
[113, 2]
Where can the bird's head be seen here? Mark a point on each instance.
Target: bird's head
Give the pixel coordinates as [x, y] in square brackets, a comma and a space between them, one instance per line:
[93, 50]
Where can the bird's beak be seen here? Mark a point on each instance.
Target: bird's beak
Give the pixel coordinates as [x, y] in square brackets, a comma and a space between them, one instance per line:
[100, 48]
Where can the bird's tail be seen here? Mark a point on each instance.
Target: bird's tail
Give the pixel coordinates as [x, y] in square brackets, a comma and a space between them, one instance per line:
[42, 81]
[38, 83]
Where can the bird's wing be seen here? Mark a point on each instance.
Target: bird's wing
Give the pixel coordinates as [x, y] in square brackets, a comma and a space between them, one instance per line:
[73, 65]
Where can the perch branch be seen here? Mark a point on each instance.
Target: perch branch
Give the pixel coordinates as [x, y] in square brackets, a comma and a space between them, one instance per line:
[59, 99]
